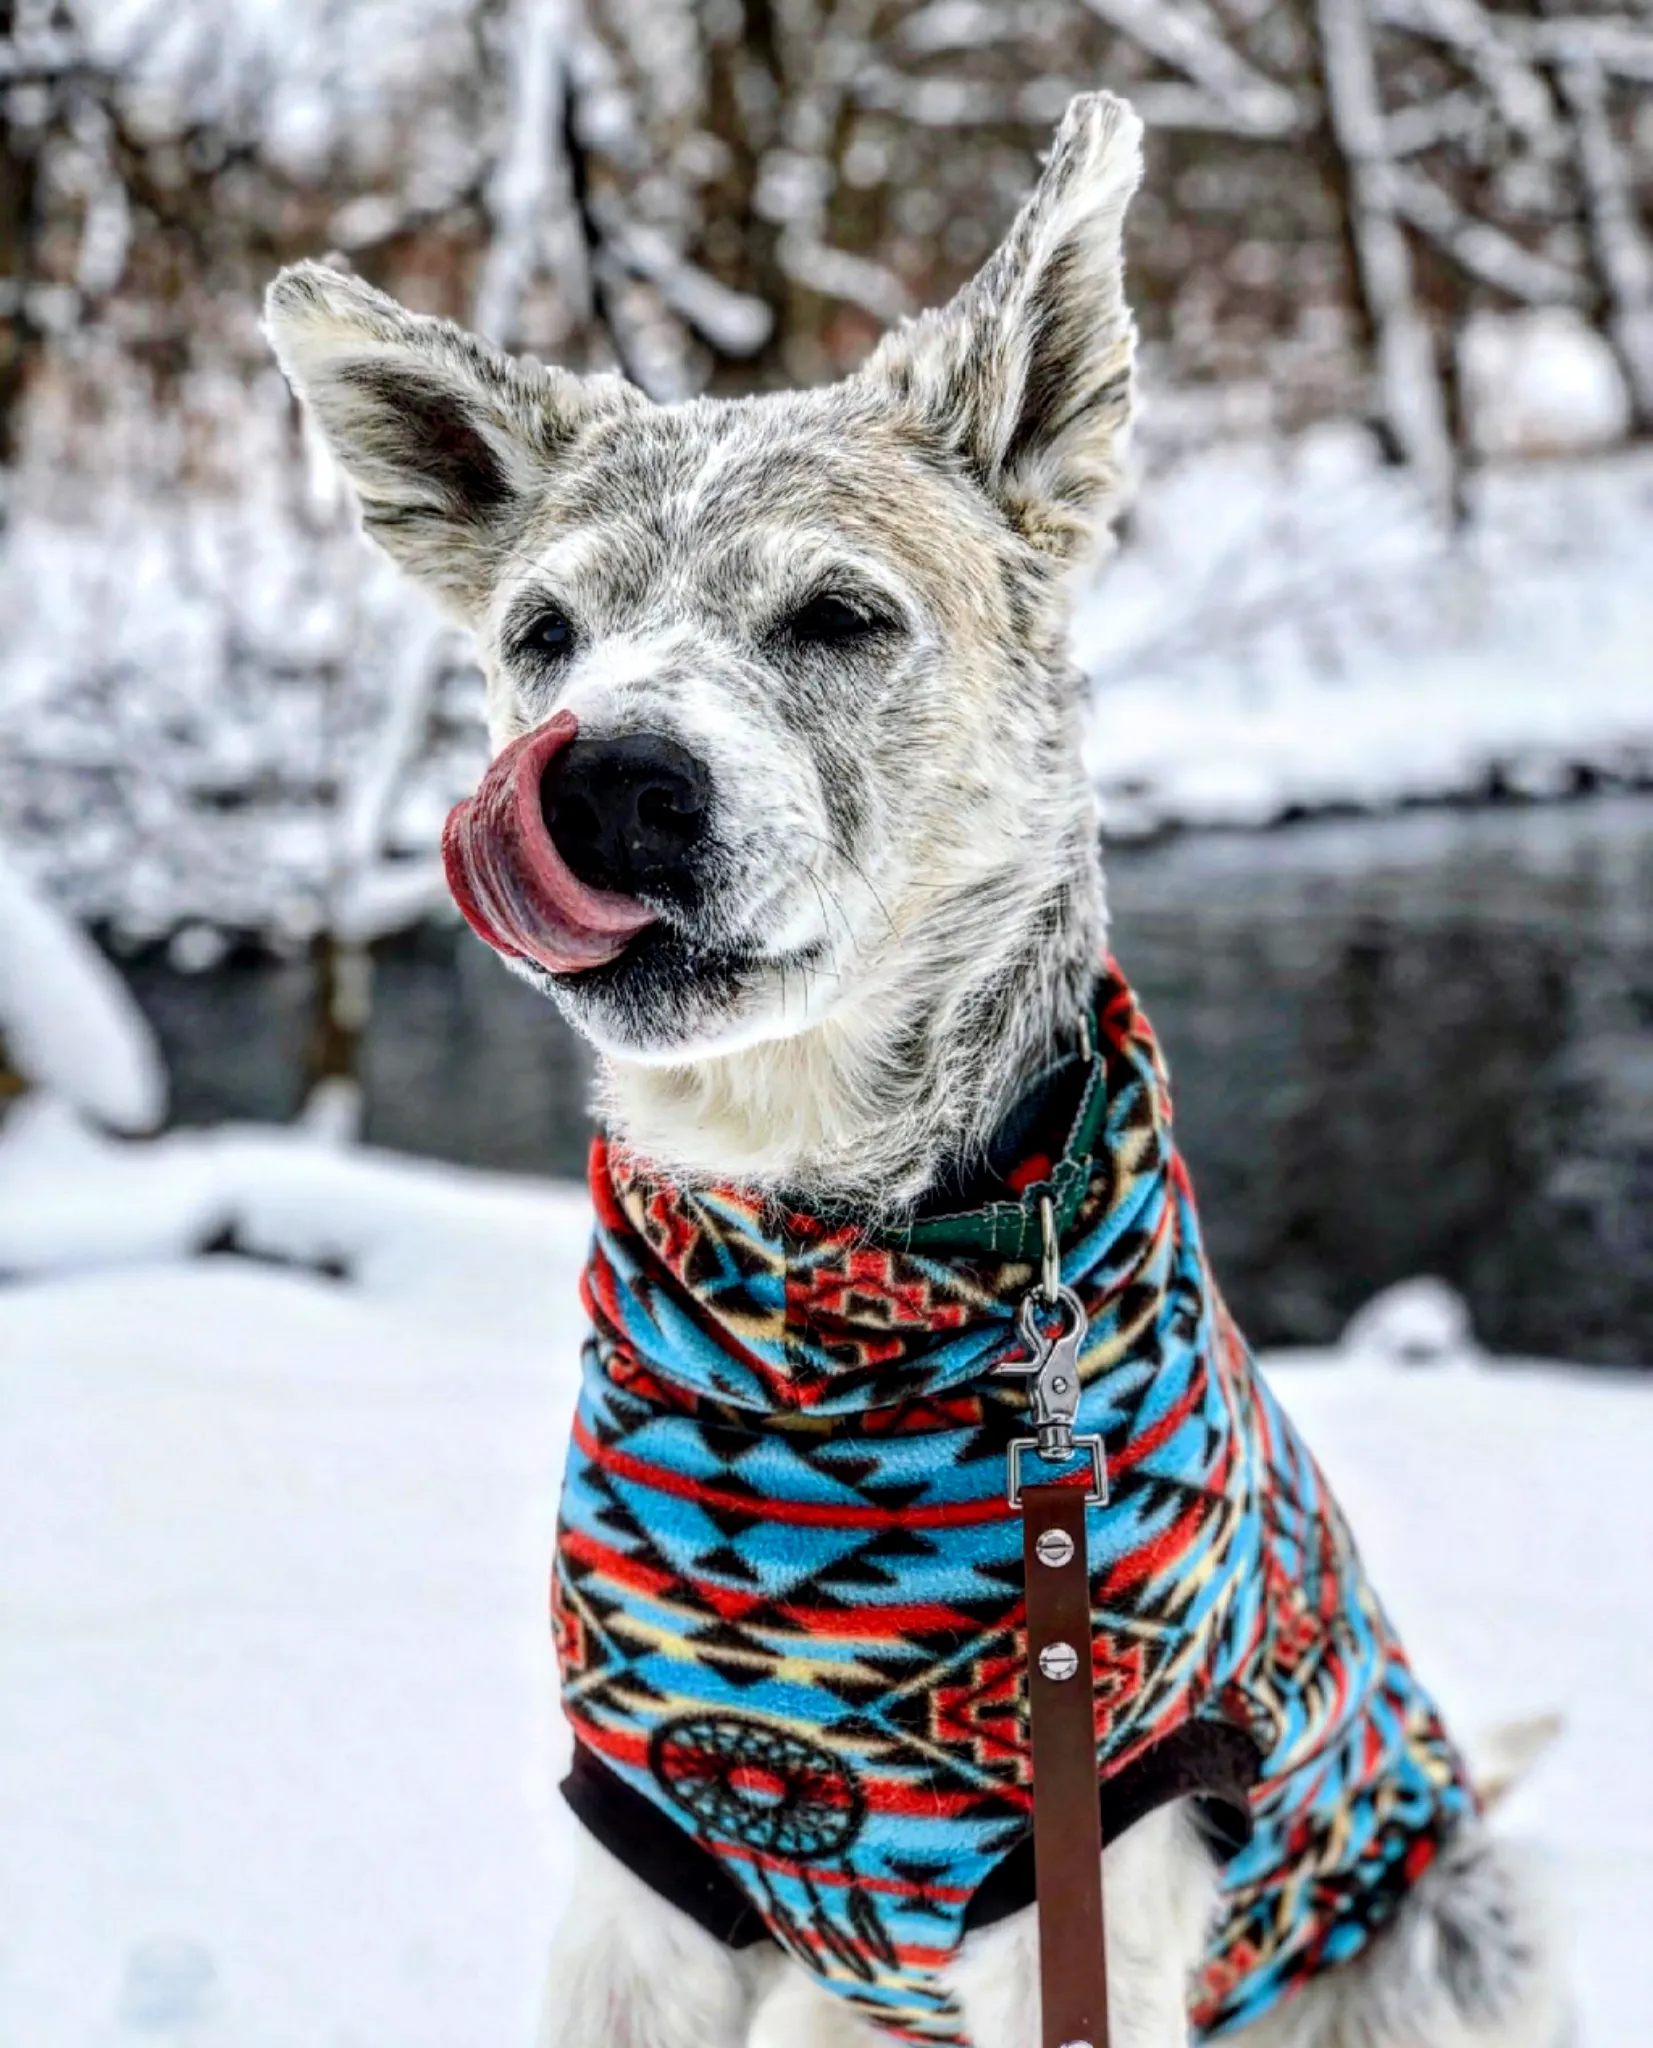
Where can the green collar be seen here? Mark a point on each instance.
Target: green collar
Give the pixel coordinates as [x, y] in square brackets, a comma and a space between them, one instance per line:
[1010, 1229]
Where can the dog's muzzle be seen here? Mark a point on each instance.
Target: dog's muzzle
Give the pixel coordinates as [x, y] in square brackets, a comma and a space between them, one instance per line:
[512, 884]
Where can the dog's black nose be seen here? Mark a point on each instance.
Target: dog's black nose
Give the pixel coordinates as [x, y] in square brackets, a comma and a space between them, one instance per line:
[627, 813]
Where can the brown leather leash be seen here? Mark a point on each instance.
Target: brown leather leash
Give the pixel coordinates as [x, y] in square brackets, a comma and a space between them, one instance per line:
[1067, 1820]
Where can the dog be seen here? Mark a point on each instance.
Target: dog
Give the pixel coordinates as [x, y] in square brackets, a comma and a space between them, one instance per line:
[788, 817]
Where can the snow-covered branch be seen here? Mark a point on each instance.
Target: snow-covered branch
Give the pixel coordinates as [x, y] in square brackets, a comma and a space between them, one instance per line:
[1622, 47]
[734, 323]
[1482, 250]
[527, 195]
[67, 1023]
[837, 274]
[1188, 37]
[1456, 117]
[1482, 41]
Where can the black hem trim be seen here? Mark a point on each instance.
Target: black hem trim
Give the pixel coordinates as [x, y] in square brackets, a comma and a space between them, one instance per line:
[1208, 1761]
[652, 1846]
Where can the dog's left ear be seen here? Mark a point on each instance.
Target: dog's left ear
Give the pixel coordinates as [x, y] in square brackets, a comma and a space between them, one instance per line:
[1027, 373]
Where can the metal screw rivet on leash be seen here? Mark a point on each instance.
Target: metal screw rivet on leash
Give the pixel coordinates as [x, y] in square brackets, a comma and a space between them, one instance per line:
[1058, 1660]
[1054, 1547]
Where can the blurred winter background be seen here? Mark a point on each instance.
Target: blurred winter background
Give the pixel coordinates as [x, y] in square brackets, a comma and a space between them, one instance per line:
[280, 1403]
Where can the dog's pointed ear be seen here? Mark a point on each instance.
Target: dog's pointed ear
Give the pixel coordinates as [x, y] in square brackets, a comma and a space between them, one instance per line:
[1026, 374]
[444, 438]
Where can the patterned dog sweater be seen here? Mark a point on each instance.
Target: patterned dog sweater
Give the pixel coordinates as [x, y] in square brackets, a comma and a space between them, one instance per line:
[788, 1588]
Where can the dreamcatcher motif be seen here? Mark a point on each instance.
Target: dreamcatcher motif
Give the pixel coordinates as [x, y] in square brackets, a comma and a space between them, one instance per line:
[796, 1809]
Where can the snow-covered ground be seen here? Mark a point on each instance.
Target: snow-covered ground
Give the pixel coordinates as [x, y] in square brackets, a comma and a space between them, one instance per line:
[277, 1723]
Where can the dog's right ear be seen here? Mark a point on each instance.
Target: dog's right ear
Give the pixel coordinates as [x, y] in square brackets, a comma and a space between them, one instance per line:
[444, 438]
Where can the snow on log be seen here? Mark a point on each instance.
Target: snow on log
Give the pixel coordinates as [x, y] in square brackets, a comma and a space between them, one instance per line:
[68, 1023]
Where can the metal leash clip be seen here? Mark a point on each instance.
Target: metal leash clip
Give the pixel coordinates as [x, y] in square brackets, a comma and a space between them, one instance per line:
[1053, 1369]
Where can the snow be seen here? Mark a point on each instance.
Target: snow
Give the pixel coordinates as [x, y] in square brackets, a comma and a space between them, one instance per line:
[278, 1734]
[1287, 627]
[1418, 1322]
[274, 1588]
[66, 1020]
[430, 1236]
[1505, 1514]
[1540, 381]
[228, 711]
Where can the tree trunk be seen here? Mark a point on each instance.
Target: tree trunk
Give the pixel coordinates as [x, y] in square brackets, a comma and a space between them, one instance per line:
[1623, 260]
[1408, 379]
[342, 1004]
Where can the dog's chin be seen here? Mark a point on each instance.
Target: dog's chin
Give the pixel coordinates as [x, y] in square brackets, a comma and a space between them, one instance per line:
[670, 999]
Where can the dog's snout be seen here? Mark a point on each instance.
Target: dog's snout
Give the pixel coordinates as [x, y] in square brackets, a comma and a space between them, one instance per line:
[627, 813]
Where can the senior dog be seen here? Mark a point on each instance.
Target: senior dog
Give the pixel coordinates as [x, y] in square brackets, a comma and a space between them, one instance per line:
[788, 816]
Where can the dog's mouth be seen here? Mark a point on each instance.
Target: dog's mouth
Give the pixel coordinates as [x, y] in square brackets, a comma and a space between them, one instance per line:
[513, 887]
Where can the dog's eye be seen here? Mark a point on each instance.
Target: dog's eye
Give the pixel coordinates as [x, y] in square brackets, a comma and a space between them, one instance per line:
[828, 621]
[551, 633]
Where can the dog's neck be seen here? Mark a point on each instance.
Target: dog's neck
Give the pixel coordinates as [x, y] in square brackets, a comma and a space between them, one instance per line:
[900, 1087]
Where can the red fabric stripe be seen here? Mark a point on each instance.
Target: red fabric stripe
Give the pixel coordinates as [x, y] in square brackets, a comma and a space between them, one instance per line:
[731, 1603]
[883, 1795]
[1150, 1440]
[957, 1894]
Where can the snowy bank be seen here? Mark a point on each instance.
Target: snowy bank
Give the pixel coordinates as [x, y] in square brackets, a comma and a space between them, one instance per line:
[212, 717]
[413, 1231]
[278, 1734]
[1287, 629]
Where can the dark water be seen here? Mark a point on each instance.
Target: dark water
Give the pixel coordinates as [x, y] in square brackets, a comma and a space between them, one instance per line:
[1415, 1045]
[1421, 1044]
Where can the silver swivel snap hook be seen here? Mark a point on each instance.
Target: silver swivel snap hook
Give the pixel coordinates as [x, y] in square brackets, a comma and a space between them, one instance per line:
[1052, 1370]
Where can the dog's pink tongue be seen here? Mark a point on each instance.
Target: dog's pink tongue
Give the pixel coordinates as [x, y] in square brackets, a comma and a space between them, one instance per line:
[514, 888]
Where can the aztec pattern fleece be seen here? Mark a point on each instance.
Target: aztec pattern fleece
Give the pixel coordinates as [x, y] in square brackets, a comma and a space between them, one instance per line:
[788, 1589]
